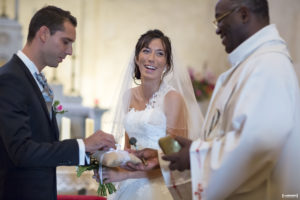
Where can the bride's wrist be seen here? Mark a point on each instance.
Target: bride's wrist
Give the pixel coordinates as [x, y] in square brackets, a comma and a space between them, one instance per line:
[128, 174]
[124, 174]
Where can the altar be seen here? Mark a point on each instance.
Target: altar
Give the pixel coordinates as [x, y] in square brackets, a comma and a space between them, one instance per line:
[69, 184]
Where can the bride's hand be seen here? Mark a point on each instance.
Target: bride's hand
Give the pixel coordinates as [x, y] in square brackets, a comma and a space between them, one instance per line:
[152, 163]
[109, 174]
[151, 160]
[130, 150]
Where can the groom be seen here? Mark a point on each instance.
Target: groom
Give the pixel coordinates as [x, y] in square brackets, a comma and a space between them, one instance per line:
[29, 146]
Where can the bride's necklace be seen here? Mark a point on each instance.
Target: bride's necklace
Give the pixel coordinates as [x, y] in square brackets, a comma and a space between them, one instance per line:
[149, 102]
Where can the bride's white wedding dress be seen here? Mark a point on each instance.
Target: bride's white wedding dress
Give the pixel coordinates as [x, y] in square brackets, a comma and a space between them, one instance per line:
[147, 126]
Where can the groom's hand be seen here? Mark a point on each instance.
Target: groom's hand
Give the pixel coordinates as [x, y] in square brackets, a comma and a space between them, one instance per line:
[99, 141]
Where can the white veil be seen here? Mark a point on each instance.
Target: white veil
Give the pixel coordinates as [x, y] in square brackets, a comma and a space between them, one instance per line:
[179, 79]
[123, 101]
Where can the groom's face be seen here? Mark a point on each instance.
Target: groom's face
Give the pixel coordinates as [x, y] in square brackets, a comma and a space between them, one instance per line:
[152, 60]
[59, 45]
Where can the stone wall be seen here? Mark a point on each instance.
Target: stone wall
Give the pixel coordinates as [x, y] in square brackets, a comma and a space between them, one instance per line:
[108, 30]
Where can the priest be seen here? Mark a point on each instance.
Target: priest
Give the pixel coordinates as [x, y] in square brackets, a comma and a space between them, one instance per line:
[249, 144]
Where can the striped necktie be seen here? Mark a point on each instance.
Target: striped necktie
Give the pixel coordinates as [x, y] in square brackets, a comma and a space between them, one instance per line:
[47, 91]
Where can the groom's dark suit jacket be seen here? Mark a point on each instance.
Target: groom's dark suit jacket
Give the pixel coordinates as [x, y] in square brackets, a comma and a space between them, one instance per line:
[29, 146]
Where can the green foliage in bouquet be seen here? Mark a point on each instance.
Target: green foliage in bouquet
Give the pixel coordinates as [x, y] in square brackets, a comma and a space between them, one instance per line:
[102, 188]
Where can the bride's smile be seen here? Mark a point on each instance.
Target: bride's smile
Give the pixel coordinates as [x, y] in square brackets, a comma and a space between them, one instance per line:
[152, 60]
[150, 67]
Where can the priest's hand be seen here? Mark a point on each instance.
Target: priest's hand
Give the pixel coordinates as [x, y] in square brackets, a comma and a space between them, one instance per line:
[180, 160]
[149, 158]
[99, 141]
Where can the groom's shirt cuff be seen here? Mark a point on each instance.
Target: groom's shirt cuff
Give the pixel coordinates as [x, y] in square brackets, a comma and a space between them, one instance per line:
[84, 159]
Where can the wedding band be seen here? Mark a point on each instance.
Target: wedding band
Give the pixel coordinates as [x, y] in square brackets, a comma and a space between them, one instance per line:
[144, 162]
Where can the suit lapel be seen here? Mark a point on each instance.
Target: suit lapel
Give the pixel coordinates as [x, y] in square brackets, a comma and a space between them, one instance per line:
[36, 88]
[54, 124]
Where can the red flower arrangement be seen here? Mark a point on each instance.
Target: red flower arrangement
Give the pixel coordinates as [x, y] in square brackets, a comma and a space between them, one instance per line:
[203, 83]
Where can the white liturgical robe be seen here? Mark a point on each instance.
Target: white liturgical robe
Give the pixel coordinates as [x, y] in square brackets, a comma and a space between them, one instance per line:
[250, 146]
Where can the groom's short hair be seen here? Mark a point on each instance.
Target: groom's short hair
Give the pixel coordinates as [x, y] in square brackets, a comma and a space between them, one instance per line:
[51, 17]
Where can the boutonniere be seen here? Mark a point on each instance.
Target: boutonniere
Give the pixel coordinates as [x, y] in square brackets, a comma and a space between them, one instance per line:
[58, 108]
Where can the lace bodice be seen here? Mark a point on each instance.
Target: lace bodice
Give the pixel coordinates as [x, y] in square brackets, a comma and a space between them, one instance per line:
[148, 125]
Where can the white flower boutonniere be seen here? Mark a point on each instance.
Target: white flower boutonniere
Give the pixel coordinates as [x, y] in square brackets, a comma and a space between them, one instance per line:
[58, 108]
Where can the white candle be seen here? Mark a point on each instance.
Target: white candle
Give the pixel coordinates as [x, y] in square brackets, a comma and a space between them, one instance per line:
[65, 128]
[89, 127]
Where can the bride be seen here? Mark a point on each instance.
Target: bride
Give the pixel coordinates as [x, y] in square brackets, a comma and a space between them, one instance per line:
[162, 103]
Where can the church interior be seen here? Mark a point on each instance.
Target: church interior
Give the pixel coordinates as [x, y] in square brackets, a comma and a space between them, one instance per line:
[86, 82]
